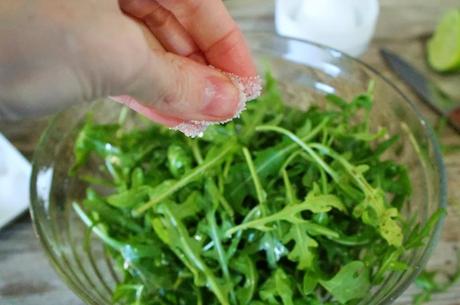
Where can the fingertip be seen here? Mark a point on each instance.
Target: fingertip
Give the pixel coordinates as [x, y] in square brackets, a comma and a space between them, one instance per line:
[220, 98]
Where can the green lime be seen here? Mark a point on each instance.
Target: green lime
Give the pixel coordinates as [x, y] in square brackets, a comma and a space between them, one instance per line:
[444, 46]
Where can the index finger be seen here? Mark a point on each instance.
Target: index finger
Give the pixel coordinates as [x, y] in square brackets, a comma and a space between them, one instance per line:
[215, 32]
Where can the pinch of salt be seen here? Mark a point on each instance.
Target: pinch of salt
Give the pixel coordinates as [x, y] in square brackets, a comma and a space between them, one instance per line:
[249, 87]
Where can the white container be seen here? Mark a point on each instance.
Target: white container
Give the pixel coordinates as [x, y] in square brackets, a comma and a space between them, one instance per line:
[346, 25]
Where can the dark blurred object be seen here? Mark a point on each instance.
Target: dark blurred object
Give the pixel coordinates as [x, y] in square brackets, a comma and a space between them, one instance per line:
[425, 89]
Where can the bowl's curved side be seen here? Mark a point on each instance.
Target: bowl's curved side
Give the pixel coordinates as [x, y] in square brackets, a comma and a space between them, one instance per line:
[329, 70]
[306, 72]
[43, 164]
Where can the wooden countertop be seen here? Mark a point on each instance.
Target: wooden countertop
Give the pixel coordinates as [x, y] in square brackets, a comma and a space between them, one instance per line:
[27, 278]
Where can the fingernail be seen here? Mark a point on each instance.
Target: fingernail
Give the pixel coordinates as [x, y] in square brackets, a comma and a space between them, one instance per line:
[221, 98]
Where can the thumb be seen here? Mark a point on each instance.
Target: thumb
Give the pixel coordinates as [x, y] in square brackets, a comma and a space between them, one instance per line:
[172, 89]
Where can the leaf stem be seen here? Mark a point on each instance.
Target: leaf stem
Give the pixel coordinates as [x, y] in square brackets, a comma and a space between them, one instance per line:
[288, 213]
[303, 145]
[220, 251]
[261, 195]
[195, 150]
[97, 229]
[194, 258]
[192, 175]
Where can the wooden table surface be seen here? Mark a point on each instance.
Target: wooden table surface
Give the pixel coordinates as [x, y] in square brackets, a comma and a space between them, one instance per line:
[26, 277]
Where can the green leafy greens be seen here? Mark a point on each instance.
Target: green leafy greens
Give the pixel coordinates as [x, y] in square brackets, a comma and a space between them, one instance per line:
[281, 207]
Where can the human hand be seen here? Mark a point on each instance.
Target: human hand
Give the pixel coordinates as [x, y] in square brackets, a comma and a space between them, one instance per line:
[56, 54]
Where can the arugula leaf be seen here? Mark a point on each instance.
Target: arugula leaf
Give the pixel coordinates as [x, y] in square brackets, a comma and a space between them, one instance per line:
[200, 170]
[97, 139]
[429, 283]
[174, 234]
[419, 235]
[267, 163]
[179, 161]
[290, 214]
[130, 198]
[302, 251]
[278, 285]
[269, 241]
[245, 265]
[310, 281]
[216, 237]
[373, 212]
[350, 283]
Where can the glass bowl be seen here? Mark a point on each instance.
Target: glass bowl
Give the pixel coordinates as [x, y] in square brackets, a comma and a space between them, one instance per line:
[306, 73]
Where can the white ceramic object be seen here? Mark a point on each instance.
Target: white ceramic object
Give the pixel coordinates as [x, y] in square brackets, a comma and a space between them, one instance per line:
[15, 173]
[346, 25]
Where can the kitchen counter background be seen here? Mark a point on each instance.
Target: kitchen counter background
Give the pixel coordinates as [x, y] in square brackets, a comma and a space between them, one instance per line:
[26, 276]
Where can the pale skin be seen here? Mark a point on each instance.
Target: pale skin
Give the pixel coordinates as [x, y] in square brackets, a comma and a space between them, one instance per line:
[57, 53]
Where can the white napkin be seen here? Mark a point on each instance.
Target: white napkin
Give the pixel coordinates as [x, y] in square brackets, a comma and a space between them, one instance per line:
[15, 173]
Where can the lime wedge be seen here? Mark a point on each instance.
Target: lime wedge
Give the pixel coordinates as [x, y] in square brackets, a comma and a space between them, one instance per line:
[444, 46]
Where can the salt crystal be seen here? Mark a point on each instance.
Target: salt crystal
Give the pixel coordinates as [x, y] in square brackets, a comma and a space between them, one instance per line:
[250, 88]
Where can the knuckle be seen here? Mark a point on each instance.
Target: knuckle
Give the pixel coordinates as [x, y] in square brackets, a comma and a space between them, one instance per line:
[138, 8]
[185, 8]
[159, 17]
[227, 43]
[191, 7]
